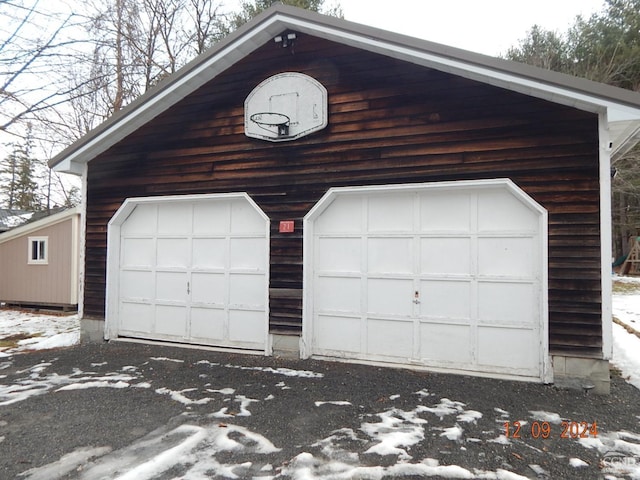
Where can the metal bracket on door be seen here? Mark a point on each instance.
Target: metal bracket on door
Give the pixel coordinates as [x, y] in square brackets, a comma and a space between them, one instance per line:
[188, 288]
[416, 298]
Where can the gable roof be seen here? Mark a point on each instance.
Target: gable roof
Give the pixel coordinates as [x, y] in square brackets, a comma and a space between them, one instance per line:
[621, 107]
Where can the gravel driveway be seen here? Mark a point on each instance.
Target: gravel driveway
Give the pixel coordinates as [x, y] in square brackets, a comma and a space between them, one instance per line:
[126, 410]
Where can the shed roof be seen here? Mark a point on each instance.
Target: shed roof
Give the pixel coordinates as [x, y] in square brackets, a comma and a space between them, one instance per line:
[621, 107]
[30, 227]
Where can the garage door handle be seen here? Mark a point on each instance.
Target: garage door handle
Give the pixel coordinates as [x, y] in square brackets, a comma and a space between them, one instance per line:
[416, 297]
[188, 289]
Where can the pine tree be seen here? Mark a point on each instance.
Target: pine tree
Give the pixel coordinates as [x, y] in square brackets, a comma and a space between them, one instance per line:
[19, 186]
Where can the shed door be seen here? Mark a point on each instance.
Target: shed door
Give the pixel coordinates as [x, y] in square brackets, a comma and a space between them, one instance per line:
[195, 272]
[447, 278]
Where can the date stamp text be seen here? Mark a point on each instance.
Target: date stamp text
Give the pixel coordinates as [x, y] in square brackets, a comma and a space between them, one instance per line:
[572, 430]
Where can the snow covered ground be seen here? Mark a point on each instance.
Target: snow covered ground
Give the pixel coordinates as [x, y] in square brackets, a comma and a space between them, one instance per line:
[201, 445]
[22, 331]
[626, 345]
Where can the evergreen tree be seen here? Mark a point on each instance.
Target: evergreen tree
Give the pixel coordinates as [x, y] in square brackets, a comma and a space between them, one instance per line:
[605, 48]
[19, 186]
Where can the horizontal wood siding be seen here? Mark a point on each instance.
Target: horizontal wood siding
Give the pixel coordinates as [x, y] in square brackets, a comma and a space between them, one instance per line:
[389, 122]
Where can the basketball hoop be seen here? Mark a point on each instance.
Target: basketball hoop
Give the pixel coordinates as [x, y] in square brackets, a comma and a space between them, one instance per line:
[270, 120]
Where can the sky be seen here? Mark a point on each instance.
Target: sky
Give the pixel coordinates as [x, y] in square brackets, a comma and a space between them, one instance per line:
[483, 26]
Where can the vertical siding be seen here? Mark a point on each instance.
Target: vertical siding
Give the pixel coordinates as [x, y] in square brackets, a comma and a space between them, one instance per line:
[46, 284]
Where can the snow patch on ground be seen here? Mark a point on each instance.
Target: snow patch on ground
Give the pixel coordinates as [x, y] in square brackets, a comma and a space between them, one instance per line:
[396, 428]
[287, 372]
[620, 452]
[38, 332]
[542, 416]
[577, 463]
[626, 347]
[166, 359]
[626, 354]
[38, 382]
[444, 408]
[192, 447]
[339, 403]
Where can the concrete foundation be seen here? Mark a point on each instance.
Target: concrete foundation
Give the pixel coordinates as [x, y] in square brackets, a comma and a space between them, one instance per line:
[588, 374]
[287, 346]
[91, 331]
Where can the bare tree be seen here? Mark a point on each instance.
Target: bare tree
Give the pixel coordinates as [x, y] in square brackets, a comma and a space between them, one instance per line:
[33, 42]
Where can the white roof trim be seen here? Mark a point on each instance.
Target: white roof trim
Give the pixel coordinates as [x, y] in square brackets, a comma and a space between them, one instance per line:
[39, 224]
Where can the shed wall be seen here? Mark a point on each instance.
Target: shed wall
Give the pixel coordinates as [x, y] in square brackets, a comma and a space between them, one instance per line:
[50, 284]
[389, 122]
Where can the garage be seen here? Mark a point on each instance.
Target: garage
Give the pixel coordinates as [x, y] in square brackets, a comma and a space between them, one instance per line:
[189, 269]
[448, 276]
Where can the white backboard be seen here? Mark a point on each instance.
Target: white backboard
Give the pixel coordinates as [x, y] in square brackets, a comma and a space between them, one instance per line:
[284, 107]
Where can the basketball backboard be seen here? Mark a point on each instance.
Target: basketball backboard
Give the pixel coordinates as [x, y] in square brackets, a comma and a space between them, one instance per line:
[285, 107]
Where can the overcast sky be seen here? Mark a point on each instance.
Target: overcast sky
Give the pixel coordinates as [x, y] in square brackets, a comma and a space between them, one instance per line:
[484, 26]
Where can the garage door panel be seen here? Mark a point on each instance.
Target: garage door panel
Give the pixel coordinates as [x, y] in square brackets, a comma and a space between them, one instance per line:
[507, 303]
[141, 221]
[445, 255]
[137, 284]
[246, 326]
[449, 299]
[390, 255]
[211, 217]
[390, 213]
[445, 343]
[245, 219]
[498, 210]
[139, 316]
[173, 252]
[171, 321]
[344, 215]
[138, 252]
[175, 218]
[171, 286]
[337, 294]
[208, 324]
[338, 334]
[247, 290]
[247, 253]
[209, 253]
[507, 348]
[208, 288]
[513, 257]
[337, 255]
[390, 296]
[449, 212]
[390, 338]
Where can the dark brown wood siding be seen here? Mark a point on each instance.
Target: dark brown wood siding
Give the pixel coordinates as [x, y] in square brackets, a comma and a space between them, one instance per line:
[389, 122]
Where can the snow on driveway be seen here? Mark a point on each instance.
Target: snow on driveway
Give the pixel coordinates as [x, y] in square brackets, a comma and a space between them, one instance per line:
[202, 445]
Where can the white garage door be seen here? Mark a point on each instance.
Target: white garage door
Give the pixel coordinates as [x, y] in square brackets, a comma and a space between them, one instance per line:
[191, 270]
[450, 276]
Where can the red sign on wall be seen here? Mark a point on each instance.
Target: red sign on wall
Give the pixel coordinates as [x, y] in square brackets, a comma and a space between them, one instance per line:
[286, 226]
